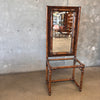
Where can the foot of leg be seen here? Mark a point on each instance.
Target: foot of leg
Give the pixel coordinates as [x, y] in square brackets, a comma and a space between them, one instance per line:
[81, 81]
[49, 85]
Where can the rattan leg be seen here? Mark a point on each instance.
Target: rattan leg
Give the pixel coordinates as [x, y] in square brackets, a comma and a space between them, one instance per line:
[81, 80]
[46, 73]
[49, 85]
[73, 75]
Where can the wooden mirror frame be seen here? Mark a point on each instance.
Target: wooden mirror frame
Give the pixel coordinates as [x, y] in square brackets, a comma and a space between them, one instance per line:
[49, 40]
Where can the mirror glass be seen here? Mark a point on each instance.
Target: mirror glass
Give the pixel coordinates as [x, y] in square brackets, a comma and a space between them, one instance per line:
[63, 31]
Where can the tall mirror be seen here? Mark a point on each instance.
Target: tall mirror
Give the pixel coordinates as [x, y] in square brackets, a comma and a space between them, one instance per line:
[63, 31]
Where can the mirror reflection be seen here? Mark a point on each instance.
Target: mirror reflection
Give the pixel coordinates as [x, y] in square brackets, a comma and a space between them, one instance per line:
[62, 31]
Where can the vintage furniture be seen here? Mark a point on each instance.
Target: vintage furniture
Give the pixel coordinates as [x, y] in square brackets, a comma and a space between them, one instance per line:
[61, 41]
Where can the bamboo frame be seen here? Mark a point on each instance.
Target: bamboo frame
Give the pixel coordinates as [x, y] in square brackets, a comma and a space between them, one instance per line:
[51, 68]
[49, 52]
